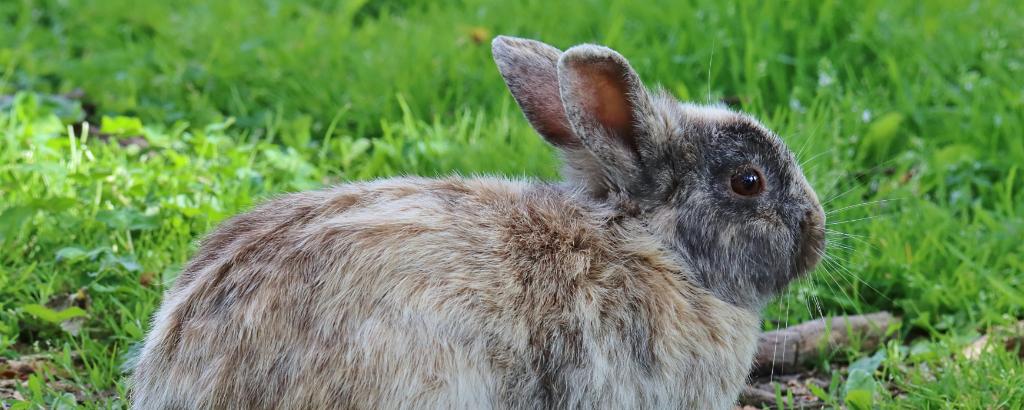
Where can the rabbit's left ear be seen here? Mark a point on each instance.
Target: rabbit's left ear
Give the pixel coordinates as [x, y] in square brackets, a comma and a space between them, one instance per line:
[530, 69]
[606, 104]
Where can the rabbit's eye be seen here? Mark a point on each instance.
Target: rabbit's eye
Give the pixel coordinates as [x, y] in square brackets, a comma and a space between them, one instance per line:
[747, 182]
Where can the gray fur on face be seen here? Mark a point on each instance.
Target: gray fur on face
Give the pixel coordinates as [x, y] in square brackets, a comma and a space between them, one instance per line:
[745, 250]
[673, 162]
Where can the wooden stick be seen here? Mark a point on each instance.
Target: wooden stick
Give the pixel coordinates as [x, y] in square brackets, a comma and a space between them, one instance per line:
[793, 348]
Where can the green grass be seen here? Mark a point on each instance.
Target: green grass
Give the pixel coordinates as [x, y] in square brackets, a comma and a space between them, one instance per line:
[907, 118]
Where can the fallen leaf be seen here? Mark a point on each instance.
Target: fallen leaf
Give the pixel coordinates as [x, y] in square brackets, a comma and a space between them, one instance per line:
[479, 35]
[146, 279]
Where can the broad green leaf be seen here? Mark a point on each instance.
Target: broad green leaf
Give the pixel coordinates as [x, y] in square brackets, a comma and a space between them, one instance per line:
[121, 125]
[53, 316]
[869, 364]
[860, 389]
[71, 254]
[127, 218]
[11, 219]
[859, 399]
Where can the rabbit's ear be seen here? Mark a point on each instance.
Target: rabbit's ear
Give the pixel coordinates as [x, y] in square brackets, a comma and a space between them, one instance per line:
[530, 70]
[606, 105]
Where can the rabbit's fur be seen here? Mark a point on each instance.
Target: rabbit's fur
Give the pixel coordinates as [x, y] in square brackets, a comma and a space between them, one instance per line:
[635, 283]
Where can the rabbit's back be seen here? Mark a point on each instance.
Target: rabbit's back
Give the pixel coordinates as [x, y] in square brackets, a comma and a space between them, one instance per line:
[467, 293]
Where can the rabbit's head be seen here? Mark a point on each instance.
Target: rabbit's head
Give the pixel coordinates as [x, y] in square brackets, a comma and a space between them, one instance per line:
[715, 186]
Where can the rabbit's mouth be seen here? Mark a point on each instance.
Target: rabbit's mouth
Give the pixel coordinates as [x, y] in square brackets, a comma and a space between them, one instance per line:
[812, 242]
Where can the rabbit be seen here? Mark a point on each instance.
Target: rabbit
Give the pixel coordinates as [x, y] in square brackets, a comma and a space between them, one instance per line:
[635, 282]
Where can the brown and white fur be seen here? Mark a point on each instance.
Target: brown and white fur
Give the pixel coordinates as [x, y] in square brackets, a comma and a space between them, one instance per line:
[634, 283]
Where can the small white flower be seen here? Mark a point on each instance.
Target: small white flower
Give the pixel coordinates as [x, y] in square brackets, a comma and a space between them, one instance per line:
[825, 80]
[795, 105]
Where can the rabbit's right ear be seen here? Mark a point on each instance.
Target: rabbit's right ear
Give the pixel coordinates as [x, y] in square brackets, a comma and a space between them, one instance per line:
[530, 69]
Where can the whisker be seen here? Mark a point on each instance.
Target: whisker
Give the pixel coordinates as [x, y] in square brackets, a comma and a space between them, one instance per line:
[775, 346]
[800, 152]
[872, 169]
[858, 240]
[838, 252]
[838, 289]
[815, 156]
[877, 167]
[711, 62]
[817, 304]
[854, 220]
[845, 234]
[880, 201]
[838, 245]
[834, 265]
[807, 136]
[784, 335]
[829, 262]
[847, 271]
[827, 201]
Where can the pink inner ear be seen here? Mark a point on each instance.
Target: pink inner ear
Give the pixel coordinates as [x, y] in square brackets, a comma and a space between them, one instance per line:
[608, 99]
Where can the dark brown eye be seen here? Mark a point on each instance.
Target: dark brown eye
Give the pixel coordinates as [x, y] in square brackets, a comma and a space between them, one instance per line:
[747, 182]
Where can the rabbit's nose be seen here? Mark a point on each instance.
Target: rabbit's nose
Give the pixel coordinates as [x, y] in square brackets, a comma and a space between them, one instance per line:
[814, 217]
[812, 225]
[812, 198]
[812, 241]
